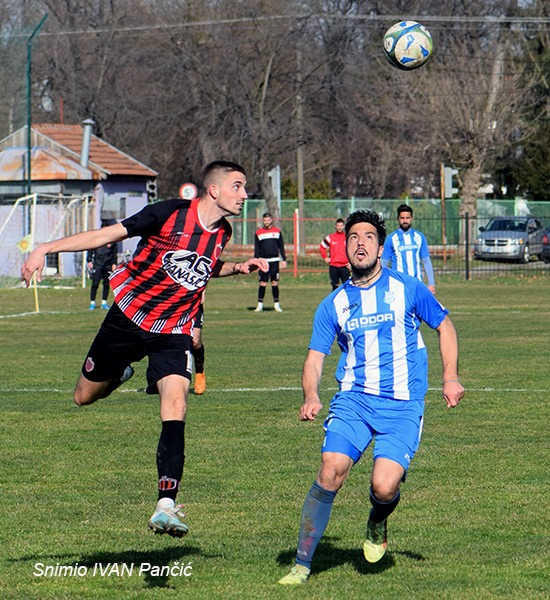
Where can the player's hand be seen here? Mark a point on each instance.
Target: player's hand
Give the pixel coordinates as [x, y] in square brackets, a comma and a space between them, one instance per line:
[309, 410]
[35, 262]
[432, 289]
[453, 392]
[283, 264]
[327, 260]
[253, 264]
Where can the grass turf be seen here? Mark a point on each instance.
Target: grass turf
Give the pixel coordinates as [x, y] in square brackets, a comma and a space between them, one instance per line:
[79, 483]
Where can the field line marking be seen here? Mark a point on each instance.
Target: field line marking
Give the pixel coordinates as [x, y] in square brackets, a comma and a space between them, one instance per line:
[42, 312]
[259, 390]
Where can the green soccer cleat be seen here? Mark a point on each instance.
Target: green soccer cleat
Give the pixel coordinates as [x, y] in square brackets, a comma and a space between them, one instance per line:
[375, 545]
[298, 575]
[167, 519]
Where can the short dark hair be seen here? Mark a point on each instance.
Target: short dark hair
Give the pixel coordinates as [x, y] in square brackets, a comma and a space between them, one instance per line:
[404, 208]
[225, 166]
[267, 215]
[368, 216]
[340, 221]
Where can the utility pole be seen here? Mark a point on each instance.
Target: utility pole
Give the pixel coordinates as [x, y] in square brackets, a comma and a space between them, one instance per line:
[29, 104]
[300, 149]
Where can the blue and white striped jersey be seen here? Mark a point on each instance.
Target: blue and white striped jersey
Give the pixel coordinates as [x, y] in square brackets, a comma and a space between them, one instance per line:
[377, 329]
[405, 250]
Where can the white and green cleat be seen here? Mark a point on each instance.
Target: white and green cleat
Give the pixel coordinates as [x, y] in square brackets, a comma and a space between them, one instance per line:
[298, 575]
[376, 543]
[167, 519]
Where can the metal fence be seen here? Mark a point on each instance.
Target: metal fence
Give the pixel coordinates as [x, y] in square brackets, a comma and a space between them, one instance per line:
[450, 240]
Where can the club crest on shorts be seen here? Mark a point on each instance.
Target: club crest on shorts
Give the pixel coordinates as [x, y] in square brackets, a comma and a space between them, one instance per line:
[89, 365]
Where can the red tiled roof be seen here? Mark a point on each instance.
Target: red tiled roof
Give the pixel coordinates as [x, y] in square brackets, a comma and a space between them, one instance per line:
[46, 165]
[102, 155]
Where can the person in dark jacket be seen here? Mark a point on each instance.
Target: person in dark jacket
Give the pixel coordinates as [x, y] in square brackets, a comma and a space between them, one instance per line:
[101, 262]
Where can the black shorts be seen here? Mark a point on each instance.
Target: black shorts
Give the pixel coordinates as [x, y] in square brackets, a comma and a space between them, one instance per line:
[120, 342]
[272, 274]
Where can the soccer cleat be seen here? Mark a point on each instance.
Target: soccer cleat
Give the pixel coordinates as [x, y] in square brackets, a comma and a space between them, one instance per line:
[92, 305]
[200, 383]
[104, 305]
[375, 545]
[128, 373]
[277, 307]
[259, 308]
[167, 519]
[298, 575]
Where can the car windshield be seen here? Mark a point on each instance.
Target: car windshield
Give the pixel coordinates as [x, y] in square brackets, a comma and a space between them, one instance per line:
[507, 225]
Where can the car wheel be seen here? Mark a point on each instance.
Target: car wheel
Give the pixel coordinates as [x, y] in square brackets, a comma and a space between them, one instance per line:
[526, 254]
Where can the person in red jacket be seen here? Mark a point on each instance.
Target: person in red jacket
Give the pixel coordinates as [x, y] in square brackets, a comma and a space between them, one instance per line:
[333, 251]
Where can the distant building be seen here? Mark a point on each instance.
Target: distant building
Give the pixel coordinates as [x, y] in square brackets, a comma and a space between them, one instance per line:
[69, 164]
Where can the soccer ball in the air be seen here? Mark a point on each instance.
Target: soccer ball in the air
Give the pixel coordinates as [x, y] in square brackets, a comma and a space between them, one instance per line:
[407, 45]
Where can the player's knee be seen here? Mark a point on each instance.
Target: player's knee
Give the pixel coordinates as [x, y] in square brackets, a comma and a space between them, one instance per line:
[82, 397]
[78, 398]
[331, 478]
[385, 490]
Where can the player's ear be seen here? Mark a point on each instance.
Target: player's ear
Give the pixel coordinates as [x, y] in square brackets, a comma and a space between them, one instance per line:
[213, 191]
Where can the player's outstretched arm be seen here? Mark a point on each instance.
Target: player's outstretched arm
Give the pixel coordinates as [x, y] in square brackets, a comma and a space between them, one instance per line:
[311, 379]
[453, 391]
[86, 240]
[225, 269]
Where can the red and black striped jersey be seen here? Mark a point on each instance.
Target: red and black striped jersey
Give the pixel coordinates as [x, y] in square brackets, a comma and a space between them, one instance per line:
[160, 288]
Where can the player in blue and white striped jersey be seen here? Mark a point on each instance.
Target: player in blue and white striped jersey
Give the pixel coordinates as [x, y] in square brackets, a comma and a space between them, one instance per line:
[407, 249]
[382, 374]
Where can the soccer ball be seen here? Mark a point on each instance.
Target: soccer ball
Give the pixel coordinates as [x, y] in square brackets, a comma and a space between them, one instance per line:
[407, 45]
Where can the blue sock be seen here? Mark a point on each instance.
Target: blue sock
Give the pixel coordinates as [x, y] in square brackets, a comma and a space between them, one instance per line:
[315, 516]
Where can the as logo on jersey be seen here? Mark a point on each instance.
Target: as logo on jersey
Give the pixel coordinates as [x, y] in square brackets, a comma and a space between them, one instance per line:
[189, 269]
[369, 321]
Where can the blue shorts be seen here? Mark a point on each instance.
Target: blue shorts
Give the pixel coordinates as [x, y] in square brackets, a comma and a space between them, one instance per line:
[355, 418]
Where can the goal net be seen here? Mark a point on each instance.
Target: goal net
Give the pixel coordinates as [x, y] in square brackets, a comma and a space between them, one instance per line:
[38, 218]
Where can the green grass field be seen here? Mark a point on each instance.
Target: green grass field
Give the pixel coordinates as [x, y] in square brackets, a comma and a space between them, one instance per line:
[78, 484]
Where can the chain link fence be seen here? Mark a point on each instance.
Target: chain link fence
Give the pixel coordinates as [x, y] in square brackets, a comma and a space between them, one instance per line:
[451, 239]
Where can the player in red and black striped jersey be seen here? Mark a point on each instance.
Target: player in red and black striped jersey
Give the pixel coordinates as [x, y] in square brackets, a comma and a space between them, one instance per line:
[157, 297]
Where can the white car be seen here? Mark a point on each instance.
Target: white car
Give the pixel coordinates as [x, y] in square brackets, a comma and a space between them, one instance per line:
[512, 238]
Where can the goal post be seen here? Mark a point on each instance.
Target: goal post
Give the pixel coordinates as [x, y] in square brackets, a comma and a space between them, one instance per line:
[39, 218]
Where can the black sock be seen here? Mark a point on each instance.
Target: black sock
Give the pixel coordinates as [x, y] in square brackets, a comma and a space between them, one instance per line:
[170, 458]
[275, 292]
[198, 357]
[261, 293]
[111, 386]
[382, 510]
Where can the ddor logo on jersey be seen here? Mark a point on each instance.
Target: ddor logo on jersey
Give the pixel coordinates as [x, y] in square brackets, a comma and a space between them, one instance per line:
[405, 247]
[368, 321]
[189, 269]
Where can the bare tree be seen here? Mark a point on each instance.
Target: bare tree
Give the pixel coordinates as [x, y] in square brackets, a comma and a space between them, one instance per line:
[177, 84]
